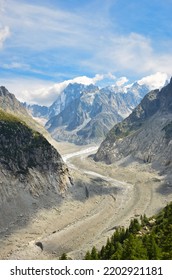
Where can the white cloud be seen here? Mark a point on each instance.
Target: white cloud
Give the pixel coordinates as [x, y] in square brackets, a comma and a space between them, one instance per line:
[44, 27]
[15, 65]
[121, 81]
[132, 53]
[110, 76]
[86, 80]
[154, 81]
[4, 34]
[42, 92]
[106, 50]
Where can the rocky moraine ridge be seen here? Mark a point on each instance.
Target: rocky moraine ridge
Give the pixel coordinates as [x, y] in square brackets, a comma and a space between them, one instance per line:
[32, 172]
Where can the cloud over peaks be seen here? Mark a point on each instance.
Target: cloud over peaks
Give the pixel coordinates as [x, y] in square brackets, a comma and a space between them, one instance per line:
[46, 94]
[156, 80]
[121, 81]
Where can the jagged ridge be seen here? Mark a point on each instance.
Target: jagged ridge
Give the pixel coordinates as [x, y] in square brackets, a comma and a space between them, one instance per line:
[145, 135]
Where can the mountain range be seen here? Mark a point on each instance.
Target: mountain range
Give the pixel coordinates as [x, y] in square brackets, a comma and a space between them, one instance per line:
[84, 114]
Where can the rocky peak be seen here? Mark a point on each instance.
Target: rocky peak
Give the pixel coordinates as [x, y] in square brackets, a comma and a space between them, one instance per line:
[9, 103]
[165, 97]
[145, 134]
[3, 91]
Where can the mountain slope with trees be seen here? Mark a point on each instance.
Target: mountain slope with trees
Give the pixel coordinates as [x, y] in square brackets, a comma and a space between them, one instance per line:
[149, 239]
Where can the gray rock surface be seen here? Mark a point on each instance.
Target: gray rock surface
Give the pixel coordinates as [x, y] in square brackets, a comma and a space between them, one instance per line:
[146, 135]
[87, 113]
[32, 172]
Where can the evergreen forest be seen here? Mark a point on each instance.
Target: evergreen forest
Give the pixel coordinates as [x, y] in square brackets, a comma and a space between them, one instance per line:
[144, 239]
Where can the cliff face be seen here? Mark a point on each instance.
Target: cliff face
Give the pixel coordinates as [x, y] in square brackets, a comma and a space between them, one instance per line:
[31, 171]
[145, 135]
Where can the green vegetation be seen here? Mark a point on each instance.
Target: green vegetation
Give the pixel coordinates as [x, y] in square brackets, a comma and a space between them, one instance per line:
[10, 118]
[13, 123]
[149, 239]
[63, 257]
[4, 116]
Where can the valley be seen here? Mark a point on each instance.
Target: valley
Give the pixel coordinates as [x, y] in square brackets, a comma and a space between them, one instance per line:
[85, 130]
[102, 198]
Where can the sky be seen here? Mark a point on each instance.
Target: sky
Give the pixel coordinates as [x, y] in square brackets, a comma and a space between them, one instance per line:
[45, 44]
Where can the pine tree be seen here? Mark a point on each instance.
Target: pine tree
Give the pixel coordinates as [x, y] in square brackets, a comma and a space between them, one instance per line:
[167, 243]
[117, 255]
[102, 253]
[87, 256]
[133, 249]
[63, 257]
[134, 226]
[94, 254]
[144, 220]
[153, 250]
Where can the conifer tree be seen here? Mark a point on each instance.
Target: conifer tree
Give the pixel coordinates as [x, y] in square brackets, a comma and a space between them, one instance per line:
[88, 256]
[63, 257]
[94, 254]
[117, 255]
[133, 249]
[153, 250]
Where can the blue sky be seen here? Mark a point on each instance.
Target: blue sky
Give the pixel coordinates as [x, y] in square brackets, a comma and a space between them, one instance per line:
[46, 42]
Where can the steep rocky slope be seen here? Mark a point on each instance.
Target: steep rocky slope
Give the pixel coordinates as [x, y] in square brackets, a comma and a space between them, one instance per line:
[10, 104]
[32, 173]
[146, 135]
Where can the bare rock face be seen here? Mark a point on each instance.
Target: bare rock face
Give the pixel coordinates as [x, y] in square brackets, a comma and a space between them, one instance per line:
[84, 114]
[32, 172]
[146, 135]
[10, 104]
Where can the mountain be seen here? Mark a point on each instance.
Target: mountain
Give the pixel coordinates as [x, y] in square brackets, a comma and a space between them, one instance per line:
[145, 135]
[37, 110]
[85, 113]
[86, 116]
[71, 92]
[89, 112]
[32, 172]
